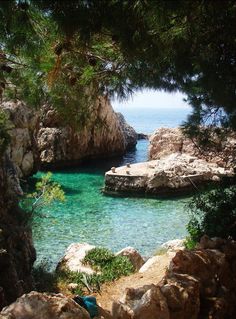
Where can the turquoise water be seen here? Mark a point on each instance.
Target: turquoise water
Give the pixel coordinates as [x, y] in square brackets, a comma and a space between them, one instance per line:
[112, 222]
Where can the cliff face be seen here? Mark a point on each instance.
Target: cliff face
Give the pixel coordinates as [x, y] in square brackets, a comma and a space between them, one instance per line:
[17, 253]
[106, 134]
[23, 147]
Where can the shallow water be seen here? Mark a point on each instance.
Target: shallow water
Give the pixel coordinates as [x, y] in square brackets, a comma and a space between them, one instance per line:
[112, 222]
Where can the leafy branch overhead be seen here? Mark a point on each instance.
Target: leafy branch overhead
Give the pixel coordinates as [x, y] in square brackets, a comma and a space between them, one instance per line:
[69, 52]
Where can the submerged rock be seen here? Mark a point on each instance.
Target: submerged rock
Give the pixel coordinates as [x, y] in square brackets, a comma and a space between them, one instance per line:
[37, 305]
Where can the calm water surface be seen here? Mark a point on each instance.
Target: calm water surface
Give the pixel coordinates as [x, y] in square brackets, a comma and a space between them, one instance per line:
[112, 222]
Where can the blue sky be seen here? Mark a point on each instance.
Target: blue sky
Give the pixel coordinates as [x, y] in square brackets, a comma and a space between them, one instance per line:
[153, 99]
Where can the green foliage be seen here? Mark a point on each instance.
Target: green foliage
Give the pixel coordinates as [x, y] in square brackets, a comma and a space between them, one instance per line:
[67, 52]
[47, 191]
[213, 213]
[98, 257]
[189, 243]
[4, 135]
[108, 267]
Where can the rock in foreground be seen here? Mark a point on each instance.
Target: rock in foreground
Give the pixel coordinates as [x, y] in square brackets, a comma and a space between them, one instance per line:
[73, 258]
[198, 284]
[133, 255]
[172, 174]
[42, 306]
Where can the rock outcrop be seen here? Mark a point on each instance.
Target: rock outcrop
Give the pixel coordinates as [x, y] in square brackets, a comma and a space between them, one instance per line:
[198, 284]
[166, 141]
[37, 305]
[172, 174]
[133, 255]
[106, 134]
[23, 146]
[73, 258]
[17, 253]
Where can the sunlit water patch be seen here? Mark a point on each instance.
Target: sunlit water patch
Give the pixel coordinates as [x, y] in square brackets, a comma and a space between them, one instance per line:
[112, 222]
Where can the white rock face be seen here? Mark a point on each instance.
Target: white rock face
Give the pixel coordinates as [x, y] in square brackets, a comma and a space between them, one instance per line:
[165, 141]
[149, 263]
[36, 305]
[73, 258]
[133, 255]
[172, 174]
[174, 244]
[23, 149]
[61, 145]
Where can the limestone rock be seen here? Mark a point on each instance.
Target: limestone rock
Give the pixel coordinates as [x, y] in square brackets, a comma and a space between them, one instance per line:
[149, 263]
[23, 147]
[182, 295]
[37, 305]
[165, 141]
[198, 284]
[133, 255]
[61, 145]
[173, 174]
[140, 303]
[73, 258]
[174, 244]
[129, 133]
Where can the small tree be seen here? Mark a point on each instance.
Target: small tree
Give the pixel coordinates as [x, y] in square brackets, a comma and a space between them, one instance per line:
[46, 193]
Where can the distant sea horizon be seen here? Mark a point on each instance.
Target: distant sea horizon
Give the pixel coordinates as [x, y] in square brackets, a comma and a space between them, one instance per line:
[147, 120]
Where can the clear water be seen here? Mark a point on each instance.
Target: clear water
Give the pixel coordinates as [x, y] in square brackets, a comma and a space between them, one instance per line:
[147, 120]
[112, 222]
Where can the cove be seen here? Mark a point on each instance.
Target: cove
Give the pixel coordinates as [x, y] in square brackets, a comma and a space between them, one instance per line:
[113, 222]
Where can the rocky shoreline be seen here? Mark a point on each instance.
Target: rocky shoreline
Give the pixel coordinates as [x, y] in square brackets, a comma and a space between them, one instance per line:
[180, 284]
[42, 140]
[176, 168]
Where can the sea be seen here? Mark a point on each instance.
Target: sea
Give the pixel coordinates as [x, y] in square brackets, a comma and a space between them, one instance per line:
[89, 216]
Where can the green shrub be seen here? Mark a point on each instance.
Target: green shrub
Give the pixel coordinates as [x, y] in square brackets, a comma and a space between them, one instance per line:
[213, 213]
[108, 266]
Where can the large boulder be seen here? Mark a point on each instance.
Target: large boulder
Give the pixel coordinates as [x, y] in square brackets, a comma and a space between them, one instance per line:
[23, 146]
[73, 259]
[197, 284]
[37, 305]
[133, 255]
[105, 134]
